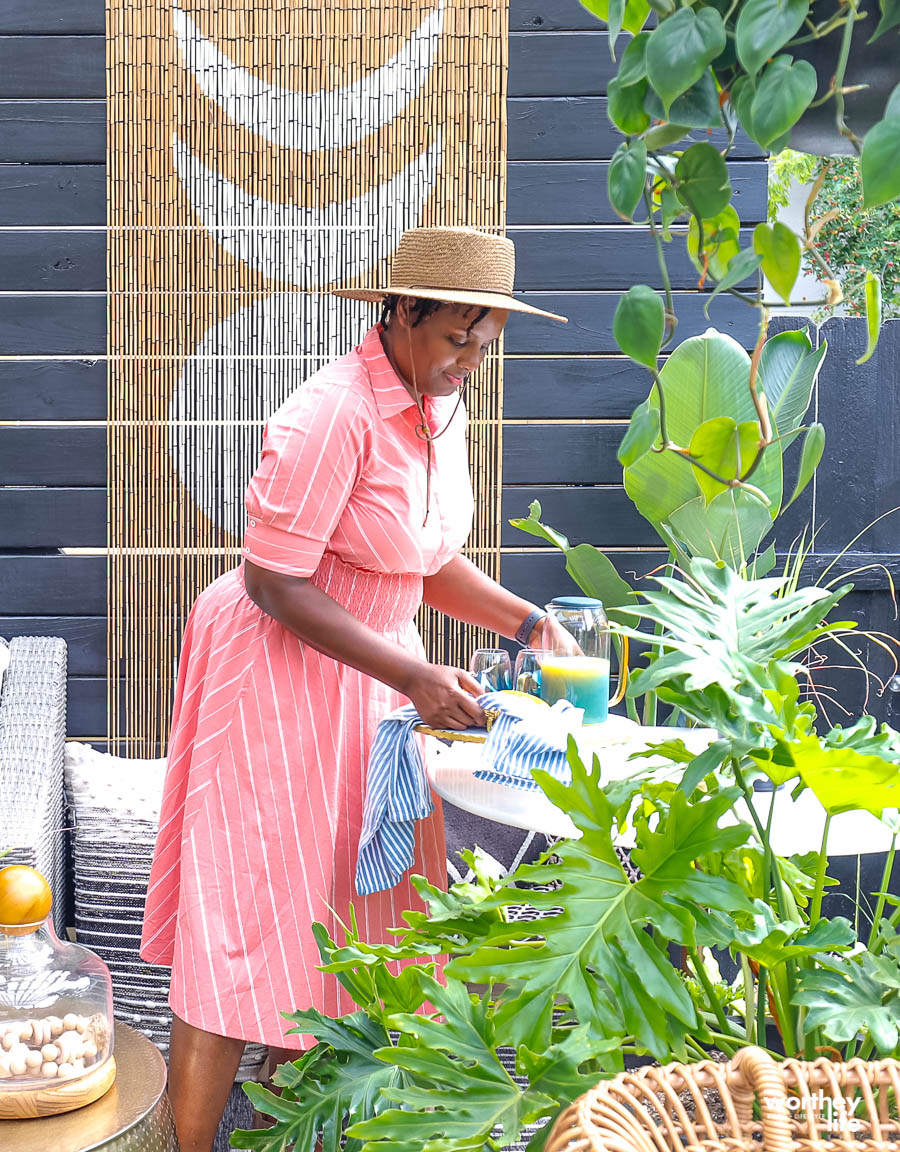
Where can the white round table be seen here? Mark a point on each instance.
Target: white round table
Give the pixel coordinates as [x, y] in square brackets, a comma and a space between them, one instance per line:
[797, 825]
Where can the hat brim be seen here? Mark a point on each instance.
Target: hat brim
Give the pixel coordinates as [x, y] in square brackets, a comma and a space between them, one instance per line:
[450, 296]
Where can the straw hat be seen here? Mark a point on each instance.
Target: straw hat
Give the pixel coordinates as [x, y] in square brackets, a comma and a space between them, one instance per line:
[457, 265]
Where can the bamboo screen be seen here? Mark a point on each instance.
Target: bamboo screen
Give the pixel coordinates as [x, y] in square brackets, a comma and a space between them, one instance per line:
[260, 152]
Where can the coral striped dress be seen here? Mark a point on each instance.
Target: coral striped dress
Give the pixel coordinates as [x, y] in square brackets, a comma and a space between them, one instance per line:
[267, 763]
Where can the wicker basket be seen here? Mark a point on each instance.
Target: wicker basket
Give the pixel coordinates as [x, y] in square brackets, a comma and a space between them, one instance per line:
[711, 1107]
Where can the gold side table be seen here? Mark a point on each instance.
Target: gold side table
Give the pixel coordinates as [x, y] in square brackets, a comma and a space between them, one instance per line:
[133, 1116]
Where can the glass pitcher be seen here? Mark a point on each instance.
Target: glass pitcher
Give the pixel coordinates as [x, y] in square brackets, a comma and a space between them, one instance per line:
[582, 679]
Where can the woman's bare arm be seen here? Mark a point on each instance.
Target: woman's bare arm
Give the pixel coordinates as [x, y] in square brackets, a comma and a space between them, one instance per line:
[442, 695]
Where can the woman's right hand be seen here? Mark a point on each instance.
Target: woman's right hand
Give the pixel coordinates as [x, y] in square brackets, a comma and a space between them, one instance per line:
[444, 697]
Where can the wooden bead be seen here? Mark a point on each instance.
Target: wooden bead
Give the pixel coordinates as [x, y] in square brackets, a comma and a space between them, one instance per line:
[56, 1026]
[49, 1052]
[81, 1026]
[90, 1050]
[70, 1020]
[25, 1031]
[17, 1064]
[49, 1070]
[65, 1071]
[4, 1067]
[33, 1060]
[10, 1038]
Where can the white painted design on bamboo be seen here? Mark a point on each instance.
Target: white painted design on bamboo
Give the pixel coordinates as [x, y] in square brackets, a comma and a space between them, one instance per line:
[309, 247]
[311, 121]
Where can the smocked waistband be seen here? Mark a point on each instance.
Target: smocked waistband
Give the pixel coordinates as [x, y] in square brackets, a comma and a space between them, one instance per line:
[384, 601]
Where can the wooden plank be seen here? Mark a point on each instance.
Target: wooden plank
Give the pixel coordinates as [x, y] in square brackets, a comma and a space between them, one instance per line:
[52, 390]
[52, 585]
[53, 517]
[85, 638]
[583, 514]
[57, 16]
[53, 131]
[562, 63]
[561, 453]
[859, 477]
[590, 314]
[549, 15]
[588, 388]
[52, 194]
[86, 709]
[598, 259]
[52, 261]
[55, 455]
[49, 67]
[563, 192]
[577, 128]
[53, 325]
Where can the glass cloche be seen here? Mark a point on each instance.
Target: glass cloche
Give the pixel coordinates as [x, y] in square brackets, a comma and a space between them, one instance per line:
[56, 1021]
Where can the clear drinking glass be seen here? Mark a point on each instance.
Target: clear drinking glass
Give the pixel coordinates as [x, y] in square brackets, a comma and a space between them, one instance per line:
[492, 669]
[528, 671]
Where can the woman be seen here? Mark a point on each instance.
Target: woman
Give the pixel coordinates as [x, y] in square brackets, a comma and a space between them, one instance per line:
[356, 514]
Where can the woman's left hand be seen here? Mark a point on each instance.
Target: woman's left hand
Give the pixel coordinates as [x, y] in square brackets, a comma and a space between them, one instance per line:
[549, 634]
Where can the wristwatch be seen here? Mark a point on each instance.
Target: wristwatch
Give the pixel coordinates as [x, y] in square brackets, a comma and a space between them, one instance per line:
[527, 626]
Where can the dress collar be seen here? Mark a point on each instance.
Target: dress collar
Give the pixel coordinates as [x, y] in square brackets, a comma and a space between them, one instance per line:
[391, 395]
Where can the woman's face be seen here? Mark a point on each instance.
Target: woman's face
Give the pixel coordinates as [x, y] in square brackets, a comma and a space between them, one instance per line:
[445, 347]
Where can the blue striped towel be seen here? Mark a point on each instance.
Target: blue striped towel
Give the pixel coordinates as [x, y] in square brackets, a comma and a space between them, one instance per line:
[397, 791]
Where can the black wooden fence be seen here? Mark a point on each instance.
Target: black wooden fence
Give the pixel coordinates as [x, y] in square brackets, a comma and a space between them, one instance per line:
[567, 394]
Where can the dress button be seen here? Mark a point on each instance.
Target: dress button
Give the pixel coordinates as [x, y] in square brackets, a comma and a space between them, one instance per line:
[246, 547]
[252, 523]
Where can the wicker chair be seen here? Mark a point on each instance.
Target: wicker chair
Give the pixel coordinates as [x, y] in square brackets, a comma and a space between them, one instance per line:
[752, 1102]
[32, 746]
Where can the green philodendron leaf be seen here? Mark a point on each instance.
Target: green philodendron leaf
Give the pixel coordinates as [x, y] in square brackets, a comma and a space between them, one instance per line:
[783, 93]
[338, 1079]
[725, 447]
[696, 108]
[779, 250]
[813, 447]
[892, 108]
[639, 324]
[625, 106]
[633, 66]
[533, 526]
[634, 17]
[662, 135]
[640, 436]
[680, 49]
[625, 178]
[720, 242]
[705, 376]
[770, 942]
[880, 163]
[729, 529]
[860, 997]
[873, 314]
[615, 18]
[765, 26]
[890, 17]
[740, 266]
[788, 369]
[844, 779]
[702, 175]
[741, 97]
[595, 576]
[595, 954]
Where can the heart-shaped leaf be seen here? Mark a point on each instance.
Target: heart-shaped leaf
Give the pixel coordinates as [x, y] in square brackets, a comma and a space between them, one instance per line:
[892, 108]
[680, 49]
[880, 163]
[813, 447]
[779, 250]
[625, 179]
[639, 324]
[662, 135]
[783, 94]
[633, 18]
[890, 17]
[741, 266]
[873, 314]
[720, 242]
[595, 575]
[640, 436]
[696, 108]
[727, 448]
[625, 106]
[634, 60]
[765, 26]
[702, 176]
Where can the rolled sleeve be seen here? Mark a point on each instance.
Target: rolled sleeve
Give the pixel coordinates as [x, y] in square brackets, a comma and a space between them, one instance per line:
[309, 466]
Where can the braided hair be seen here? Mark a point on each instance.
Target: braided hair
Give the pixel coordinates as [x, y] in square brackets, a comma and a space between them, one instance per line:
[422, 309]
